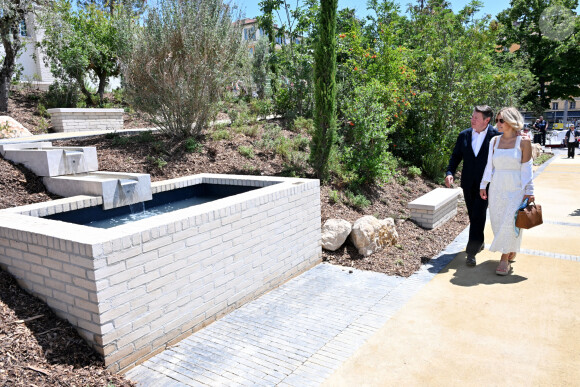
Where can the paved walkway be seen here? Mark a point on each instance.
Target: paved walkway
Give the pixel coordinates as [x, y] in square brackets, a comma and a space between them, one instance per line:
[445, 325]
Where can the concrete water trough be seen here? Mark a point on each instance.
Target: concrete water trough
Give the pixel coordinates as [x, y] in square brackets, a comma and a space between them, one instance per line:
[71, 171]
[134, 289]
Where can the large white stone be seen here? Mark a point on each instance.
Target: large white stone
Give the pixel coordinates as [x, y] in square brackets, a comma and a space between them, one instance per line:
[10, 128]
[334, 233]
[370, 234]
[536, 150]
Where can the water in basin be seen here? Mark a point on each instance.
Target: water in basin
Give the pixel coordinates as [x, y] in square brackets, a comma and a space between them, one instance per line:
[161, 203]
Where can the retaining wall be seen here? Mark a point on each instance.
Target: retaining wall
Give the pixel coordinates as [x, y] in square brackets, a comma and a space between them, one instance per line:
[78, 120]
[134, 289]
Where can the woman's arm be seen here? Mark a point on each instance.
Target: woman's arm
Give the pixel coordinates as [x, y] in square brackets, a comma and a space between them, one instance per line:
[488, 172]
[526, 172]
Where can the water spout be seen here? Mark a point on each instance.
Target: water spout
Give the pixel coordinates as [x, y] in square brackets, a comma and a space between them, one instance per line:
[73, 160]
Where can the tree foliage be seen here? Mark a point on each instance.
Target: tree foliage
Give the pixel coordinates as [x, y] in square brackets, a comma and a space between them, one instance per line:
[83, 43]
[323, 138]
[181, 61]
[457, 67]
[548, 35]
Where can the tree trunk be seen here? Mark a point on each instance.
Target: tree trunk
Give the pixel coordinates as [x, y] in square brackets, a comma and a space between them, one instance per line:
[11, 49]
[102, 84]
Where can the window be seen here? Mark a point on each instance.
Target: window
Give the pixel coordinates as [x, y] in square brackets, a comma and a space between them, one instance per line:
[251, 51]
[245, 34]
[572, 105]
[23, 28]
[297, 41]
[279, 40]
[554, 105]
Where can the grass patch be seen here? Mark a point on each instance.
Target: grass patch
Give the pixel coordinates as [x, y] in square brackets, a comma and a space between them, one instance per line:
[541, 159]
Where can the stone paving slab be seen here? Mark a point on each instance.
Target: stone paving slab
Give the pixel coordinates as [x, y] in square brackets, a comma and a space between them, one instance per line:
[295, 335]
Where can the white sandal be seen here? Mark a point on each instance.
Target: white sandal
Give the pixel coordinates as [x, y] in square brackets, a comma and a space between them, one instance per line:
[503, 268]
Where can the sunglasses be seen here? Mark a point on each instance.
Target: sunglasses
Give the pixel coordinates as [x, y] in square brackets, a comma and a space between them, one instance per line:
[499, 120]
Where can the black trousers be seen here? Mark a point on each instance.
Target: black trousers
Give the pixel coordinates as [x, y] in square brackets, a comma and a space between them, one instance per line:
[571, 149]
[476, 210]
[542, 138]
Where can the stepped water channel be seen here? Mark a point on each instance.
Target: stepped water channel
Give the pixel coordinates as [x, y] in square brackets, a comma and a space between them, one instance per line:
[207, 245]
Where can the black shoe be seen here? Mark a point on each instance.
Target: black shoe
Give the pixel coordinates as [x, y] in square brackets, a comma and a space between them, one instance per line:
[470, 261]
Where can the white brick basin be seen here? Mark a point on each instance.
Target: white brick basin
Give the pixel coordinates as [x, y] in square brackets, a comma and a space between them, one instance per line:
[134, 289]
[78, 120]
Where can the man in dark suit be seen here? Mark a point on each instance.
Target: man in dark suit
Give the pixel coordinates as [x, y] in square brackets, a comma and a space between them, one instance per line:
[571, 140]
[472, 147]
[542, 126]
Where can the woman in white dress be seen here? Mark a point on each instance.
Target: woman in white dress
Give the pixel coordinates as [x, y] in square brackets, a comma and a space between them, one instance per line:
[509, 174]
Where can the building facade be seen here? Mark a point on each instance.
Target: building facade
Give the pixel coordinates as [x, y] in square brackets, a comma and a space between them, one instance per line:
[31, 60]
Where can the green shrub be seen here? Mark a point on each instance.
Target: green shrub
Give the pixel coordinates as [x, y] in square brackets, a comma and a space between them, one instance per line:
[365, 137]
[434, 165]
[43, 125]
[62, 95]
[248, 130]
[221, 134]
[413, 171]
[300, 143]
[192, 145]
[270, 137]
[357, 200]
[183, 55]
[145, 137]
[42, 110]
[302, 125]
[296, 164]
[334, 196]
[261, 107]
[402, 180]
[157, 162]
[120, 140]
[246, 151]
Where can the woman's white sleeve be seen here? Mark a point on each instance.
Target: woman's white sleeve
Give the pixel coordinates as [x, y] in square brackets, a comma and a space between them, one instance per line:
[527, 177]
[489, 167]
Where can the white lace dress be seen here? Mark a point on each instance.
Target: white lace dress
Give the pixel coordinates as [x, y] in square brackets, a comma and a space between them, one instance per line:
[510, 180]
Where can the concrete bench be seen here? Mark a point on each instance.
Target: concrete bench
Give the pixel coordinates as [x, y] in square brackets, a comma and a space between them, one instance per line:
[78, 120]
[434, 208]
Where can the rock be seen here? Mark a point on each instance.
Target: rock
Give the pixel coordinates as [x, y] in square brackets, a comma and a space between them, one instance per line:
[334, 233]
[536, 150]
[370, 234]
[10, 128]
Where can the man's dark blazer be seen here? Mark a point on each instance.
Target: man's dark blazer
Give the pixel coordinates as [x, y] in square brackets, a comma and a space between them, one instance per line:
[473, 167]
[576, 134]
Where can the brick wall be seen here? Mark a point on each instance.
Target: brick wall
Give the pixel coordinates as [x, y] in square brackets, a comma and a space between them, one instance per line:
[77, 120]
[134, 289]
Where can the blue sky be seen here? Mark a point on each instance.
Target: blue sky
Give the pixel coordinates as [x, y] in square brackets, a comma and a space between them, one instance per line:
[493, 7]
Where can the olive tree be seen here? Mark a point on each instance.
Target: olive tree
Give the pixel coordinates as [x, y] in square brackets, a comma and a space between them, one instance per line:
[83, 42]
[181, 59]
[12, 13]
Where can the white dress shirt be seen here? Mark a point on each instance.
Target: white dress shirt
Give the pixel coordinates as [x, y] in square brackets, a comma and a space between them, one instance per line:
[477, 140]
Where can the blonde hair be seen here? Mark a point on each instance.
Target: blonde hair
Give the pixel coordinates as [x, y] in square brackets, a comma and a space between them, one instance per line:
[512, 117]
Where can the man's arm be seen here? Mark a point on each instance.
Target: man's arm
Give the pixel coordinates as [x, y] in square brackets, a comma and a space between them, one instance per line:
[454, 161]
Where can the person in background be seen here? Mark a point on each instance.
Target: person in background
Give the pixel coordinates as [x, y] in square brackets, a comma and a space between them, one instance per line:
[472, 146]
[509, 175]
[526, 132]
[542, 126]
[571, 140]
